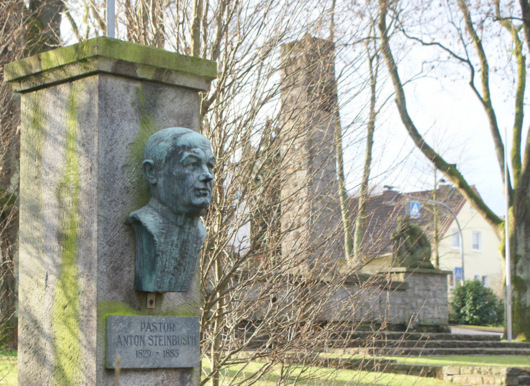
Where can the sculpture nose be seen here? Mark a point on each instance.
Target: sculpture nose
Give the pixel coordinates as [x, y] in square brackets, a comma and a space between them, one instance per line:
[206, 177]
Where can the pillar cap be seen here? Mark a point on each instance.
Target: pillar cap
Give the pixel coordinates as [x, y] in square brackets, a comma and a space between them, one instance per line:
[111, 56]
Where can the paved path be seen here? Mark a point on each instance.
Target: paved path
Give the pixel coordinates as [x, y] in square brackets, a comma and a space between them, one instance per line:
[476, 331]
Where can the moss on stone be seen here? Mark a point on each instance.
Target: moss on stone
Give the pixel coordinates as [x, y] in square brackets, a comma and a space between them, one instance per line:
[114, 49]
[65, 309]
[32, 201]
[107, 307]
[31, 230]
[135, 155]
[34, 141]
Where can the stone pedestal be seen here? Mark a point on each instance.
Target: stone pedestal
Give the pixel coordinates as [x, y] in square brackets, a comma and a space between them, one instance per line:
[399, 298]
[423, 303]
[87, 111]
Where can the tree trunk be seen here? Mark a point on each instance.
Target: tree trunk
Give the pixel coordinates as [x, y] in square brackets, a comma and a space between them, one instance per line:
[360, 222]
[44, 32]
[343, 193]
[520, 259]
[521, 282]
[196, 28]
[435, 236]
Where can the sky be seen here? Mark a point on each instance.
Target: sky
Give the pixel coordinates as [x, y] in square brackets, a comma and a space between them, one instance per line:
[446, 112]
[464, 134]
[450, 117]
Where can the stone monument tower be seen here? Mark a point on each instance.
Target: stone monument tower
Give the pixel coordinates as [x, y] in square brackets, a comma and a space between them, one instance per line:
[87, 113]
[310, 199]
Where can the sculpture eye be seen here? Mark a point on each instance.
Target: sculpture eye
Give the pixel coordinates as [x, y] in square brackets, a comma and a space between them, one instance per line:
[191, 161]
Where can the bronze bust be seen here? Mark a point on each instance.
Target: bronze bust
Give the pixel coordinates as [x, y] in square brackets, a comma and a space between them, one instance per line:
[177, 165]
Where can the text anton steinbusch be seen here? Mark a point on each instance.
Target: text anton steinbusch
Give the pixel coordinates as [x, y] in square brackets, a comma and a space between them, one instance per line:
[143, 340]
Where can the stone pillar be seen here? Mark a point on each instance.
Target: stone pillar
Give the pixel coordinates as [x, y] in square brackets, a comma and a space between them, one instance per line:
[87, 111]
[311, 216]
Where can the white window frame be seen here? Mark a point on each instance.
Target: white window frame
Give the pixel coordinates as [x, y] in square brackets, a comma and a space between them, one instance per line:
[451, 280]
[479, 246]
[455, 239]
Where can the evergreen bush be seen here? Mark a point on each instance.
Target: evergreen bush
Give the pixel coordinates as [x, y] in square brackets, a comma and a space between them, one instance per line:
[472, 303]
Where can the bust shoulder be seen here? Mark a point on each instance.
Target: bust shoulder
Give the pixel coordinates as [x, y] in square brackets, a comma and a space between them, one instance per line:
[147, 217]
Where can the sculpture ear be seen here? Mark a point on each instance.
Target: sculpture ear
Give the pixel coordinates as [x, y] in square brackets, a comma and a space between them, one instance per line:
[148, 167]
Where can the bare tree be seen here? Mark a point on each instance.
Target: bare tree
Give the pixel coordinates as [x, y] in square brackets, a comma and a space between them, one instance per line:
[43, 25]
[349, 242]
[265, 301]
[12, 37]
[261, 300]
[24, 30]
[470, 25]
[373, 55]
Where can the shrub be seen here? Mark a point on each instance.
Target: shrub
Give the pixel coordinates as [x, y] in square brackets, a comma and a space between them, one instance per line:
[475, 304]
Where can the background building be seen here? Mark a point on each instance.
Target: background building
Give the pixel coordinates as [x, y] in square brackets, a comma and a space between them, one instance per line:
[481, 243]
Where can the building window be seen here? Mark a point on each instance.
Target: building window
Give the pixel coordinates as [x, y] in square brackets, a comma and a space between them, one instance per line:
[477, 244]
[451, 280]
[456, 239]
[485, 281]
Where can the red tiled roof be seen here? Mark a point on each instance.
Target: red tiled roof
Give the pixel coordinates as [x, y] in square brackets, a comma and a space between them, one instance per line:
[383, 211]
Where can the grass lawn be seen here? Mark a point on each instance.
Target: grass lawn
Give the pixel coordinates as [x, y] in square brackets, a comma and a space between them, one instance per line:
[469, 360]
[312, 376]
[321, 376]
[453, 360]
[8, 367]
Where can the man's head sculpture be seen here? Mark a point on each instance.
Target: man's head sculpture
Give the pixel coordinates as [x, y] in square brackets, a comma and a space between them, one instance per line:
[178, 165]
[169, 234]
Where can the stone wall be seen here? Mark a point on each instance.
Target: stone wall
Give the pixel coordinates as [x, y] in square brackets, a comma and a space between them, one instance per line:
[474, 375]
[399, 297]
[424, 301]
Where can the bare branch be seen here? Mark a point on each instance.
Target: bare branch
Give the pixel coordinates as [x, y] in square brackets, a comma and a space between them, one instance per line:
[486, 97]
[519, 94]
[449, 170]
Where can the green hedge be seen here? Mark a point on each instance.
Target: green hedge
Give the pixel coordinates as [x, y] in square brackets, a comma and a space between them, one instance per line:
[475, 304]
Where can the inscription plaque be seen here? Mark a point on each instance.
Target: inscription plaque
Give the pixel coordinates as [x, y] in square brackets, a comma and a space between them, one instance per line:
[152, 342]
